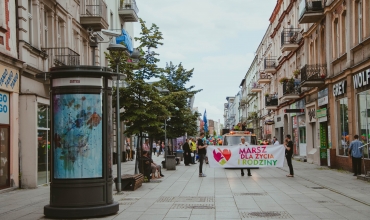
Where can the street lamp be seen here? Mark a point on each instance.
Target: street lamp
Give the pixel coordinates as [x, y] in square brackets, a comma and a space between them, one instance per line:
[121, 50]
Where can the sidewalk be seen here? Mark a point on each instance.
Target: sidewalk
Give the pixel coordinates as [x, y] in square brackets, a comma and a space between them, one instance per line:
[314, 193]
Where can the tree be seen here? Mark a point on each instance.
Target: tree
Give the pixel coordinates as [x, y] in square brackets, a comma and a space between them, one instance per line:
[183, 119]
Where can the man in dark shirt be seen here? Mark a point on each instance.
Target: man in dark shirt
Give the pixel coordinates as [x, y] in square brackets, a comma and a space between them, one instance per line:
[288, 154]
[202, 151]
[187, 152]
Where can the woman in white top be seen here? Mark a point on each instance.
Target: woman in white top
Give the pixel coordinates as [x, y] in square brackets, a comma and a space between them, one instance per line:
[244, 143]
[276, 142]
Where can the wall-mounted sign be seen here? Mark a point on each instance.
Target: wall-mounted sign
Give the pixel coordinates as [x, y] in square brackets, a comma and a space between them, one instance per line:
[9, 79]
[78, 81]
[311, 114]
[340, 88]
[323, 93]
[361, 79]
[301, 110]
[4, 108]
[323, 101]
[320, 113]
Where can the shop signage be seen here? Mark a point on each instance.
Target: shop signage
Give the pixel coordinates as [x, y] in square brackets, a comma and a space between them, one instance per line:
[311, 113]
[300, 110]
[323, 101]
[4, 108]
[9, 79]
[339, 88]
[361, 79]
[320, 113]
[323, 134]
[78, 81]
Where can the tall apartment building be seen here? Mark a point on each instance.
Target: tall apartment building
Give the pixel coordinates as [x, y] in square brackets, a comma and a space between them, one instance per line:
[57, 33]
[10, 67]
[314, 66]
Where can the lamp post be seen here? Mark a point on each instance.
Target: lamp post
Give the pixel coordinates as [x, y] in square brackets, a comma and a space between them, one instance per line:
[120, 49]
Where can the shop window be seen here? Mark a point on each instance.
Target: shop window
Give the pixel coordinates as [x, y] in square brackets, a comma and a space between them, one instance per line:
[364, 119]
[43, 147]
[343, 131]
[4, 157]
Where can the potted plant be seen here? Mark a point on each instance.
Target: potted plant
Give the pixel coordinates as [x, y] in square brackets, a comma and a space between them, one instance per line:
[322, 75]
[296, 73]
[283, 80]
[267, 94]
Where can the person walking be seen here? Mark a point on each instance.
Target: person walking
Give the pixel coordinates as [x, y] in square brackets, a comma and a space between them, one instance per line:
[158, 148]
[289, 154]
[202, 151]
[355, 150]
[275, 141]
[154, 148]
[243, 143]
[187, 152]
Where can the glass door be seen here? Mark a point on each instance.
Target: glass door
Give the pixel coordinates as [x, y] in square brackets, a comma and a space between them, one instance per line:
[364, 120]
[4, 157]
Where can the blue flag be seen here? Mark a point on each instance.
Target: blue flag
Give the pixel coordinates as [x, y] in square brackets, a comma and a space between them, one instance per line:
[205, 121]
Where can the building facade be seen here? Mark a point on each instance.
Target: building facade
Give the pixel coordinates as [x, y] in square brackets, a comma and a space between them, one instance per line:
[10, 67]
[313, 78]
[57, 33]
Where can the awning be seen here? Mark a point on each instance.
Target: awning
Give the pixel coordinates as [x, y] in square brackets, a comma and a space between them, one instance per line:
[126, 39]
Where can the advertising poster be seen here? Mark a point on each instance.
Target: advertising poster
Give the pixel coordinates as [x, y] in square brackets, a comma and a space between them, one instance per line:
[78, 136]
[246, 156]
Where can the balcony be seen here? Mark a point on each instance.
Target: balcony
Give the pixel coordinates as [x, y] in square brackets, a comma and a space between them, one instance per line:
[256, 88]
[128, 10]
[264, 79]
[61, 56]
[290, 38]
[244, 101]
[272, 102]
[94, 15]
[311, 11]
[313, 75]
[291, 91]
[270, 65]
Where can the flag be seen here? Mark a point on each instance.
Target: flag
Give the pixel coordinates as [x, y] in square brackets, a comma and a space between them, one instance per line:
[205, 121]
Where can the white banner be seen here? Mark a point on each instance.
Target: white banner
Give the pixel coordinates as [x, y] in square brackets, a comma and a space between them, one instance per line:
[246, 156]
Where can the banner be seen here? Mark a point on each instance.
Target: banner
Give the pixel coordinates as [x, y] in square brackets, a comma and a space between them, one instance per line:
[246, 156]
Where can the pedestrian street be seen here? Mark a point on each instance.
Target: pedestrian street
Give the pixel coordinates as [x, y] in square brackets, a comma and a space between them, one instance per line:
[314, 193]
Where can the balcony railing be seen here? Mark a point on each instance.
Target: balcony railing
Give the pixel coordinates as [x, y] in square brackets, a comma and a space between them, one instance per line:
[263, 78]
[291, 88]
[313, 75]
[128, 10]
[255, 88]
[62, 56]
[94, 15]
[272, 100]
[311, 11]
[270, 65]
[290, 37]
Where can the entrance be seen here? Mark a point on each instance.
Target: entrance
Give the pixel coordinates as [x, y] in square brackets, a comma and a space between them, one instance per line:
[4, 157]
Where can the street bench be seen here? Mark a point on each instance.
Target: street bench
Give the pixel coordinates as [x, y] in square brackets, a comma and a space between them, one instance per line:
[131, 182]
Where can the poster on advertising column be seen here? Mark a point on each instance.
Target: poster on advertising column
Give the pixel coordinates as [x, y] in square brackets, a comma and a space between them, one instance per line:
[246, 156]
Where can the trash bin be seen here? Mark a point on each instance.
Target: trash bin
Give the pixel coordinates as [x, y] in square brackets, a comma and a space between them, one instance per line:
[123, 158]
[171, 162]
[164, 164]
[180, 154]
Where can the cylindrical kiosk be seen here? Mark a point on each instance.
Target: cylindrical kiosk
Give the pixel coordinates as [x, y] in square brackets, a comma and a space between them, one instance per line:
[81, 128]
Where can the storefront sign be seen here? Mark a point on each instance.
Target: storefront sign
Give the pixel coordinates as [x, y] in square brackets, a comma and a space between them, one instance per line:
[329, 137]
[246, 156]
[295, 121]
[339, 88]
[323, 134]
[311, 114]
[321, 113]
[9, 79]
[323, 101]
[4, 108]
[361, 79]
[301, 121]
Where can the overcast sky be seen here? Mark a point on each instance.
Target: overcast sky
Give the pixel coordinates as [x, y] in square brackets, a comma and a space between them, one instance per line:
[218, 38]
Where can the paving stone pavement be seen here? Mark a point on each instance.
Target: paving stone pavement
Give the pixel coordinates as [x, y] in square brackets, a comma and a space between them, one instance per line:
[314, 193]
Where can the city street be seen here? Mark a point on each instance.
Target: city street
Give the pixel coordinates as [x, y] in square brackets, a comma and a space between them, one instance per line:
[314, 193]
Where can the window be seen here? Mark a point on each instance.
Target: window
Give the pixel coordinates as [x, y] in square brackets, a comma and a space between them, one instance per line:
[30, 39]
[43, 140]
[336, 50]
[45, 29]
[343, 33]
[343, 131]
[366, 15]
[364, 120]
[359, 20]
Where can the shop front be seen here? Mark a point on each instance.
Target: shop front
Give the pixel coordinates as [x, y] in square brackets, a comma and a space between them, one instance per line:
[299, 128]
[279, 127]
[9, 90]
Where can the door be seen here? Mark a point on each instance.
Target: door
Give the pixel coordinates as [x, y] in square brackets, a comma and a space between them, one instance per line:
[4, 157]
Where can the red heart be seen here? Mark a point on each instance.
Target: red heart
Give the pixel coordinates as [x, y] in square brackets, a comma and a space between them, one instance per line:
[227, 154]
